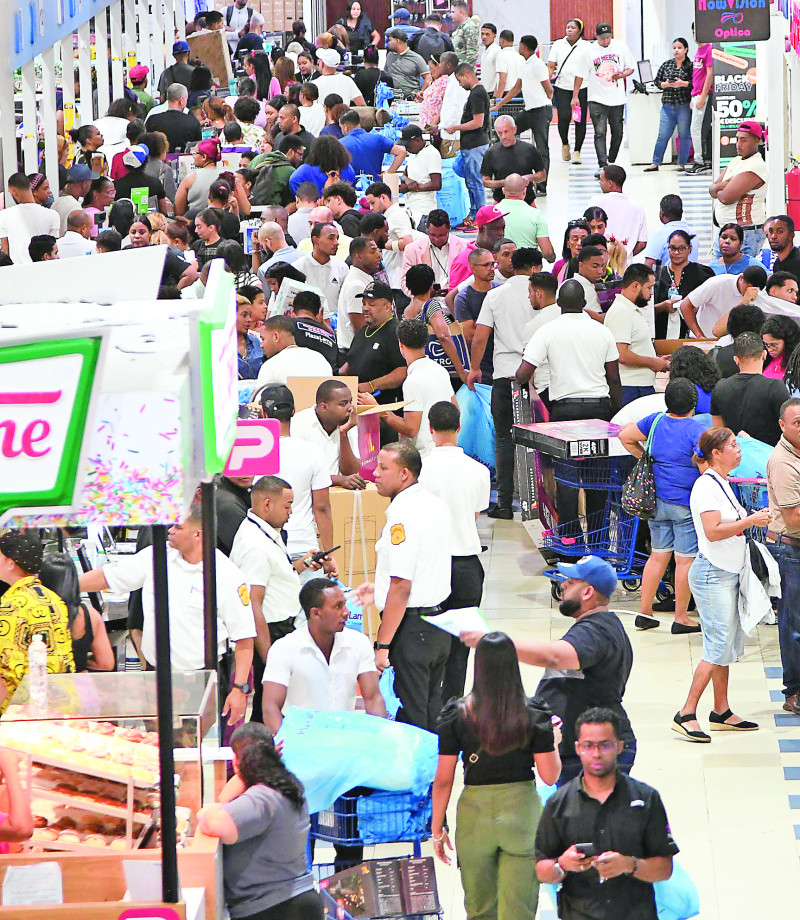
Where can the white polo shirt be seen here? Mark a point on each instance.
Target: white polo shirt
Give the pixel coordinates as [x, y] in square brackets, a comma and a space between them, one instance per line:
[427, 383]
[576, 348]
[489, 67]
[304, 467]
[534, 72]
[541, 376]
[626, 323]
[419, 167]
[294, 361]
[510, 62]
[415, 544]
[592, 303]
[260, 553]
[185, 584]
[327, 278]
[311, 682]
[355, 283]
[307, 426]
[463, 485]
[507, 310]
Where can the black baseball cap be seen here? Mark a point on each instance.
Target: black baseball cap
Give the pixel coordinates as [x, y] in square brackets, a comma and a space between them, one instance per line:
[378, 291]
[409, 133]
[276, 400]
[603, 28]
[23, 548]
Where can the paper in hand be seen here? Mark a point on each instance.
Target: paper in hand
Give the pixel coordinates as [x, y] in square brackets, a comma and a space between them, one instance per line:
[463, 619]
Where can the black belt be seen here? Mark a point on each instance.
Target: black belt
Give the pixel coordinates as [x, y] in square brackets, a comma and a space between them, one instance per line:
[582, 399]
[779, 538]
[424, 611]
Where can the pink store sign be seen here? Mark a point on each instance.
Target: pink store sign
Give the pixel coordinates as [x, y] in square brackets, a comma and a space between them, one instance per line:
[255, 451]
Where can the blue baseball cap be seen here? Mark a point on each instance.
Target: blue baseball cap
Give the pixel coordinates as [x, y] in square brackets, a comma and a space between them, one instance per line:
[180, 47]
[593, 570]
[401, 13]
[80, 172]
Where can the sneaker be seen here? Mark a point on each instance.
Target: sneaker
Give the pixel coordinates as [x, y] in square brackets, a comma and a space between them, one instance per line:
[576, 157]
[500, 513]
[597, 174]
[698, 169]
[468, 226]
[565, 154]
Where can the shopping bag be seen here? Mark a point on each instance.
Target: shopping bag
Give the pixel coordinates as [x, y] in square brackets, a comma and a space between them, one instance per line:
[639, 491]
[452, 196]
[458, 165]
[436, 352]
[386, 686]
[476, 437]
[677, 897]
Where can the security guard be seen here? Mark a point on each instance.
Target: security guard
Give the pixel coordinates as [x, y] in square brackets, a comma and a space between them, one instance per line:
[412, 578]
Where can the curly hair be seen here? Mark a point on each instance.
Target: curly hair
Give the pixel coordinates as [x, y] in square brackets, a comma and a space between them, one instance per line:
[694, 364]
[781, 327]
[328, 153]
[261, 764]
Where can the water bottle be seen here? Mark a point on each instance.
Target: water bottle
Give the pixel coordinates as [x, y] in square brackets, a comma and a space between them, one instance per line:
[37, 671]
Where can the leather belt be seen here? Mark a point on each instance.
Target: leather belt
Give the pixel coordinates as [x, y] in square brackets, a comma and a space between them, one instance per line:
[582, 399]
[783, 538]
[424, 611]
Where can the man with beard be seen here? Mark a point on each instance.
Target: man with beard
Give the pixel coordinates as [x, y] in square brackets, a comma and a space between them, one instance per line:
[589, 665]
[638, 363]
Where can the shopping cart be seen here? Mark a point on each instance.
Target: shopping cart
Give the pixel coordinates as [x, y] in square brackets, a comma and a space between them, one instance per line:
[752, 495]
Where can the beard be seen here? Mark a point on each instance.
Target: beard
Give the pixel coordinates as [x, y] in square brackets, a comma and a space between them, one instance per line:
[642, 302]
[569, 607]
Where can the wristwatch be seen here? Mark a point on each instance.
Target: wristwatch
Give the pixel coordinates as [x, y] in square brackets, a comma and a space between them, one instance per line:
[245, 687]
[559, 870]
[380, 645]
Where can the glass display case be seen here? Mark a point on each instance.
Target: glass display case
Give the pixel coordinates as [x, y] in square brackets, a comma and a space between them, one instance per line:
[90, 756]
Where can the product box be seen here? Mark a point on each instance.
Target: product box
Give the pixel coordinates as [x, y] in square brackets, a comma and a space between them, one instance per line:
[304, 389]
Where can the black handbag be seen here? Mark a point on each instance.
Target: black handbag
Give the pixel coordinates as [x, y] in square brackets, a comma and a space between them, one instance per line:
[639, 491]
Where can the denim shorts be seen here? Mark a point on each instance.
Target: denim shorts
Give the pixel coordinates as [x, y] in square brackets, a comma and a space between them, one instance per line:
[672, 529]
[716, 593]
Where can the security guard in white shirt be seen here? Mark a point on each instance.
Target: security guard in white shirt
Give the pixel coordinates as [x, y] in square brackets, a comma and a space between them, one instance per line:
[463, 485]
[412, 579]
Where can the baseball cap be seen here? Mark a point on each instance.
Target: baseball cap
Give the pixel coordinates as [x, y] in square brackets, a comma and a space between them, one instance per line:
[276, 399]
[752, 127]
[378, 291]
[594, 570]
[138, 73]
[80, 172]
[401, 13]
[603, 28]
[328, 56]
[400, 34]
[180, 47]
[409, 133]
[23, 548]
[135, 156]
[487, 214]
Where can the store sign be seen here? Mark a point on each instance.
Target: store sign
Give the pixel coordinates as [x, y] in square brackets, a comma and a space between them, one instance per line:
[256, 448]
[45, 397]
[734, 92]
[726, 20]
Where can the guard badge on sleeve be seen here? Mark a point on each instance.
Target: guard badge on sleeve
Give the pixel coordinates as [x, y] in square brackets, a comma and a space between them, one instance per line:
[398, 534]
[244, 595]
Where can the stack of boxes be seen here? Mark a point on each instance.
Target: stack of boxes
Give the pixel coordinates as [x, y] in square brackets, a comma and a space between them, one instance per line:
[278, 14]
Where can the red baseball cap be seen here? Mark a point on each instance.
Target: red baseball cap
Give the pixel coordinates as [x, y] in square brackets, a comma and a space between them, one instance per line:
[752, 127]
[487, 214]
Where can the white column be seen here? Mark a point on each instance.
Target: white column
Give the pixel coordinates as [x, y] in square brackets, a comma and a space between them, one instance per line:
[68, 83]
[180, 18]
[142, 18]
[29, 129]
[772, 107]
[101, 61]
[158, 36]
[85, 73]
[117, 77]
[48, 114]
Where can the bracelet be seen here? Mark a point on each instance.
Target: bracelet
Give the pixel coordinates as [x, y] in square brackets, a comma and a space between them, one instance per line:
[438, 839]
[371, 386]
[395, 245]
[632, 873]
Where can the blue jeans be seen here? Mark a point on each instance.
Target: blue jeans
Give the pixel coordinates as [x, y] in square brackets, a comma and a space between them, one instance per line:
[674, 116]
[471, 165]
[788, 559]
[716, 593]
[631, 393]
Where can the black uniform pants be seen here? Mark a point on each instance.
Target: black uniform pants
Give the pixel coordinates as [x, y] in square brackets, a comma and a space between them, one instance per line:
[276, 631]
[466, 590]
[418, 653]
[502, 410]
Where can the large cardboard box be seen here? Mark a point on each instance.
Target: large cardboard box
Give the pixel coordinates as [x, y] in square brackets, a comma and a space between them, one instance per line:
[211, 49]
[304, 389]
[668, 346]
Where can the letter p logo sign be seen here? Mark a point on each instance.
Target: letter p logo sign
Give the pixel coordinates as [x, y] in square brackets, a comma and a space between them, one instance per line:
[255, 451]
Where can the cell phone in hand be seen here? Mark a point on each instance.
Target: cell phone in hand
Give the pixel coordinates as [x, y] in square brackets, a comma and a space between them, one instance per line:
[586, 849]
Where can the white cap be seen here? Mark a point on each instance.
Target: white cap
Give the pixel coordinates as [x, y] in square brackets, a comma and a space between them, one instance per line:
[328, 56]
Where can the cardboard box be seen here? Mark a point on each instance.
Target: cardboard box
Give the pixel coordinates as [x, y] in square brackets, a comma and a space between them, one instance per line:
[211, 48]
[304, 389]
[668, 346]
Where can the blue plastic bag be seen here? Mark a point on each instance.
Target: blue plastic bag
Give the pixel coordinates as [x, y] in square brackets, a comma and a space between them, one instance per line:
[476, 437]
[386, 686]
[385, 817]
[453, 196]
[331, 752]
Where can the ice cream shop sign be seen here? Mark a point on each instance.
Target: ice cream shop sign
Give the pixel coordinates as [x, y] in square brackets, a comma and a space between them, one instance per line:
[729, 20]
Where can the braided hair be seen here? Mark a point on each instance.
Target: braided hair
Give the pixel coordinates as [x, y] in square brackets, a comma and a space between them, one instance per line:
[260, 763]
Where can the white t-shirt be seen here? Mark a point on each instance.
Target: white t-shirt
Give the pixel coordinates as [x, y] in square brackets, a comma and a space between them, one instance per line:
[626, 220]
[327, 278]
[185, 583]
[577, 349]
[355, 283]
[507, 310]
[260, 553]
[713, 299]
[399, 221]
[571, 61]
[298, 225]
[239, 21]
[338, 83]
[463, 485]
[415, 545]
[312, 118]
[541, 377]
[455, 98]
[592, 302]
[712, 493]
[534, 72]
[294, 361]
[307, 426]
[603, 63]
[311, 682]
[20, 222]
[64, 205]
[510, 62]
[419, 167]
[489, 67]
[427, 383]
[640, 408]
[750, 209]
[304, 467]
[73, 244]
[626, 323]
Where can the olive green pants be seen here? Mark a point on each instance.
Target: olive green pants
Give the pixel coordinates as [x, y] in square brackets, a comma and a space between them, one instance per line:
[495, 834]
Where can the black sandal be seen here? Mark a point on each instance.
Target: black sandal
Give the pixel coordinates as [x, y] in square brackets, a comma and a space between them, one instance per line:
[717, 722]
[696, 737]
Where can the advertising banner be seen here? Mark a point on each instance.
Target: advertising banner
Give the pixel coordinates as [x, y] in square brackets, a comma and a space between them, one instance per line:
[726, 20]
[734, 94]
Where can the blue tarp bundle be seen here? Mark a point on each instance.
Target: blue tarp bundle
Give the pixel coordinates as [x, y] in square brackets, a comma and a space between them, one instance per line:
[385, 817]
[476, 437]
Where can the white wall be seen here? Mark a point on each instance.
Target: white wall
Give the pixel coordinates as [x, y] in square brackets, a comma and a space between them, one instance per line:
[516, 15]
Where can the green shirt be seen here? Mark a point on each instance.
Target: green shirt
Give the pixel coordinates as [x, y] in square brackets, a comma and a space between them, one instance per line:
[467, 41]
[146, 100]
[524, 224]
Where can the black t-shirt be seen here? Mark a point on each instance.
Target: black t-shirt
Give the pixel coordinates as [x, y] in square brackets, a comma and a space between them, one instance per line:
[180, 128]
[790, 264]
[138, 178]
[751, 403]
[366, 79]
[605, 657]
[376, 355]
[724, 358]
[308, 333]
[231, 226]
[350, 222]
[302, 135]
[468, 305]
[477, 103]
[631, 821]
[500, 162]
[482, 769]
[233, 503]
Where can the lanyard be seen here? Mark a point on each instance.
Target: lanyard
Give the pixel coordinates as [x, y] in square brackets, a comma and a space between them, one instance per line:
[254, 519]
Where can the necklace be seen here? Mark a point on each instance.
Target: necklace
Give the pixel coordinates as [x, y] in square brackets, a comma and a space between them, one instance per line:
[376, 331]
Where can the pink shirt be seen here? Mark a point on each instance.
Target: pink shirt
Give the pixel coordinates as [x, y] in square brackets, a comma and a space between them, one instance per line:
[775, 369]
[459, 267]
[702, 62]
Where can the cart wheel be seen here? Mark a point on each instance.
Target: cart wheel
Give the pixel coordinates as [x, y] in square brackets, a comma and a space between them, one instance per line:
[631, 584]
[665, 592]
[556, 590]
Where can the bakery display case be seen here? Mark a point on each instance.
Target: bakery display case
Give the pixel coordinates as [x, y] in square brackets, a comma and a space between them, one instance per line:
[90, 757]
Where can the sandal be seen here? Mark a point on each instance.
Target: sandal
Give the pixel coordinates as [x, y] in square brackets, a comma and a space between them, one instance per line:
[653, 167]
[717, 722]
[696, 737]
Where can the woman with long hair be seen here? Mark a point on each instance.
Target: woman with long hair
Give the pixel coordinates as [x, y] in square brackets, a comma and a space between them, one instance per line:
[732, 260]
[598, 219]
[505, 738]
[99, 197]
[121, 216]
[217, 113]
[257, 67]
[676, 279]
[674, 79]
[781, 337]
[568, 59]
[328, 161]
[720, 522]
[262, 820]
[91, 649]
[251, 354]
[574, 235]
[359, 28]
[284, 72]
[200, 86]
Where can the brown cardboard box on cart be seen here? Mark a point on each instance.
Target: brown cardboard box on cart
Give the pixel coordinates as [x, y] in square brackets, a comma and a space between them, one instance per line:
[304, 389]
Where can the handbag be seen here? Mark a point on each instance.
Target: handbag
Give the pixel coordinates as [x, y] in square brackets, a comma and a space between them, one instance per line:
[639, 491]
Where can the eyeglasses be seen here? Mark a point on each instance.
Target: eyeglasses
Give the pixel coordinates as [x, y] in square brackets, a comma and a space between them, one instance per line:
[605, 747]
[678, 248]
[485, 264]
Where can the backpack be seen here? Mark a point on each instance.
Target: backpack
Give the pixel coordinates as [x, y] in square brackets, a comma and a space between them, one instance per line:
[263, 191]
[229, 16]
